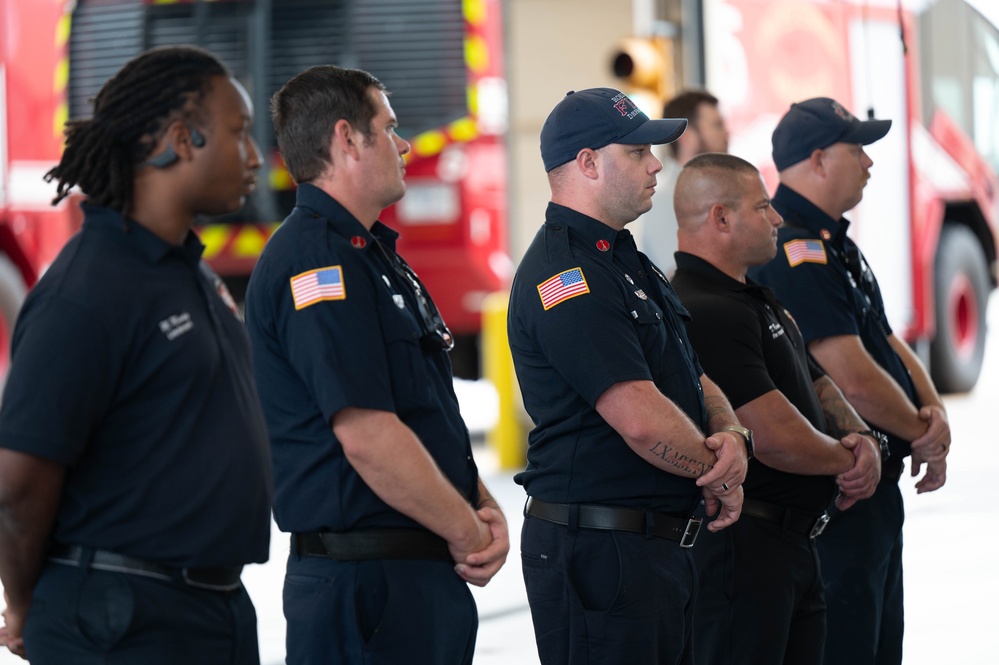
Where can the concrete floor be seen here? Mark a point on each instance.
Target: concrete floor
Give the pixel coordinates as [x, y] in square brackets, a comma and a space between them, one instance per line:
[951, 554]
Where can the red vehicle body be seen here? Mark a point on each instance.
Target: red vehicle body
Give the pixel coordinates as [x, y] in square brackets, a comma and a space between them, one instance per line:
[928, 221]
[440, 59]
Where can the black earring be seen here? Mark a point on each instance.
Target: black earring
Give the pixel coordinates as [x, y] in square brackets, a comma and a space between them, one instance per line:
[164, 159]
[168, 156]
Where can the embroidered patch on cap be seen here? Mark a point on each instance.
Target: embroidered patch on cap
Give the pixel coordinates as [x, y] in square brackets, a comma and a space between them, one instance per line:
[805, 251]
[314, 286]
[561, 287]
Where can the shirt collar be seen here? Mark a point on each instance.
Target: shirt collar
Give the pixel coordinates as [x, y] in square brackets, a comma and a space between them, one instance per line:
[698, 266]
[802, 213]
[340, 219]
[591, 233]
[144, 242]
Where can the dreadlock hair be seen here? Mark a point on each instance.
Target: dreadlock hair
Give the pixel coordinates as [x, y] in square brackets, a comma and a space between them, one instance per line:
[130, 112]
[305, 110]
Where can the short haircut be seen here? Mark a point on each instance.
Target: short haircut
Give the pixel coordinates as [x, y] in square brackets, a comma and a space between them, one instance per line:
[722, 162]
[728, 166]
[307, 108]
[686, 105]
[131, 111]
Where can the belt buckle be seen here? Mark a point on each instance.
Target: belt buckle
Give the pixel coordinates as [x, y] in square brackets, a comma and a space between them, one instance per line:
[690, 532]
[820, 525]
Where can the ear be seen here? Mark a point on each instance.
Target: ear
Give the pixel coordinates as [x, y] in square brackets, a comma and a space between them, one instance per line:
[586, 162]
[717, 217]
[817, 161]
[182, 139]
[345, 140]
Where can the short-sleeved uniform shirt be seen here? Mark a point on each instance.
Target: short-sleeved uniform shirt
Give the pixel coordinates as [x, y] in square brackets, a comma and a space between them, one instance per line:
[334, 325]
[750, 346]
[823, 279]
[132, 368]
[588, 311]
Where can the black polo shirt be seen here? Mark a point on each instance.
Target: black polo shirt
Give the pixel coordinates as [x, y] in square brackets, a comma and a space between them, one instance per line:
[350, 339]
[822, 277]
[588, 311]
[749, 346]
[132, 368]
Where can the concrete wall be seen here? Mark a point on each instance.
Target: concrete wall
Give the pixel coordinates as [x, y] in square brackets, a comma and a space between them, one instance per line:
[553, 46]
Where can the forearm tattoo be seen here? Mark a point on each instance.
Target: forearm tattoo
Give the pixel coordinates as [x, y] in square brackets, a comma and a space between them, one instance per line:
[673, 457]
[841, 419]
[718, 407]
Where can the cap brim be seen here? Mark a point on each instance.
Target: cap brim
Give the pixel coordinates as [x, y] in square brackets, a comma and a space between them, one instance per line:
[655, 132]
[867, 132]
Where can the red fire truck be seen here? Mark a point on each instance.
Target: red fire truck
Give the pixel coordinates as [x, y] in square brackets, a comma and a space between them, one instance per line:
[927, 223]
[440, 59]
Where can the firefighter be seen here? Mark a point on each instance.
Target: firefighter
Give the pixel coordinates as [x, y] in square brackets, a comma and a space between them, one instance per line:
[629, 432]
[823, 278]
[760, 597]
[375, 477]
[134, 476]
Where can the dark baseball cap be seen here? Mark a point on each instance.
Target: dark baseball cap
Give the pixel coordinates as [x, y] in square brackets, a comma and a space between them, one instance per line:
[597, 117]
[818, 123]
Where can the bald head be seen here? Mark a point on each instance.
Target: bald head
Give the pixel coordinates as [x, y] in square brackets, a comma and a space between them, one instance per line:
[724, 215]
[707, 180]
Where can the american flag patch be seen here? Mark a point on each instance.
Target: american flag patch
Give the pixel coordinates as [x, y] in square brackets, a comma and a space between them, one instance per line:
[562, 286]
[316, 285]
[805, 251]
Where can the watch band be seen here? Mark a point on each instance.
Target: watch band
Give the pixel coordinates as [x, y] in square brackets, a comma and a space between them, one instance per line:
[882, 442]
[747, 435]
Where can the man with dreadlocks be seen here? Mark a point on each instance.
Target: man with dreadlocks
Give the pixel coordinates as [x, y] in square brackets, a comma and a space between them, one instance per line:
[134, 472]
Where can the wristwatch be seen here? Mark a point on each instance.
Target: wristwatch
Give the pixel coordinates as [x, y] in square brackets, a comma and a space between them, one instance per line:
[747, 434]
[882, 440]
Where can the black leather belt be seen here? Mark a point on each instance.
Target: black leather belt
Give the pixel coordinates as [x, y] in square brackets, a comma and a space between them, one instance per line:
[660, 525]
[220, 578]
[367, 544]
[795, 521]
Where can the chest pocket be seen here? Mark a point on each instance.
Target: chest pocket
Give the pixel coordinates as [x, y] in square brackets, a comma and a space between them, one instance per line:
[407, 362]
[656, 337]
[864, 304]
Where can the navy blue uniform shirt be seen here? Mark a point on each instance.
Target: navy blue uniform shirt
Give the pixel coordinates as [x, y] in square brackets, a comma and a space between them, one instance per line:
[588, 311]
[823, 279]
[750, 346]
[333, 325]
[132, 368]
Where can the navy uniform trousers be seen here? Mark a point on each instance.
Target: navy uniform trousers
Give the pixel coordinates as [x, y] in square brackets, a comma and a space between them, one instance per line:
[607, 597]
[760, 597]
[861, 556]
[380, 612]
[83, 616]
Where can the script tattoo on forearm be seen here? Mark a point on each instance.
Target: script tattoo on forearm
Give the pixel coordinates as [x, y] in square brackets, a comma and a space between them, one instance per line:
[676, 459]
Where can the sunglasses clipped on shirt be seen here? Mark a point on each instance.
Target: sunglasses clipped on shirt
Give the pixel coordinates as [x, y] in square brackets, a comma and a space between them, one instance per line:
[436, 335]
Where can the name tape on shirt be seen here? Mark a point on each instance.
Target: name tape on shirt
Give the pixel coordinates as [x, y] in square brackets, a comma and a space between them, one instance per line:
[805, 251]
[561, 287]
[314, 286]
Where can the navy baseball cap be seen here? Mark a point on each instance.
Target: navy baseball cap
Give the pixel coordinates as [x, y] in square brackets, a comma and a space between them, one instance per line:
[818, 123]
[597, 117]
